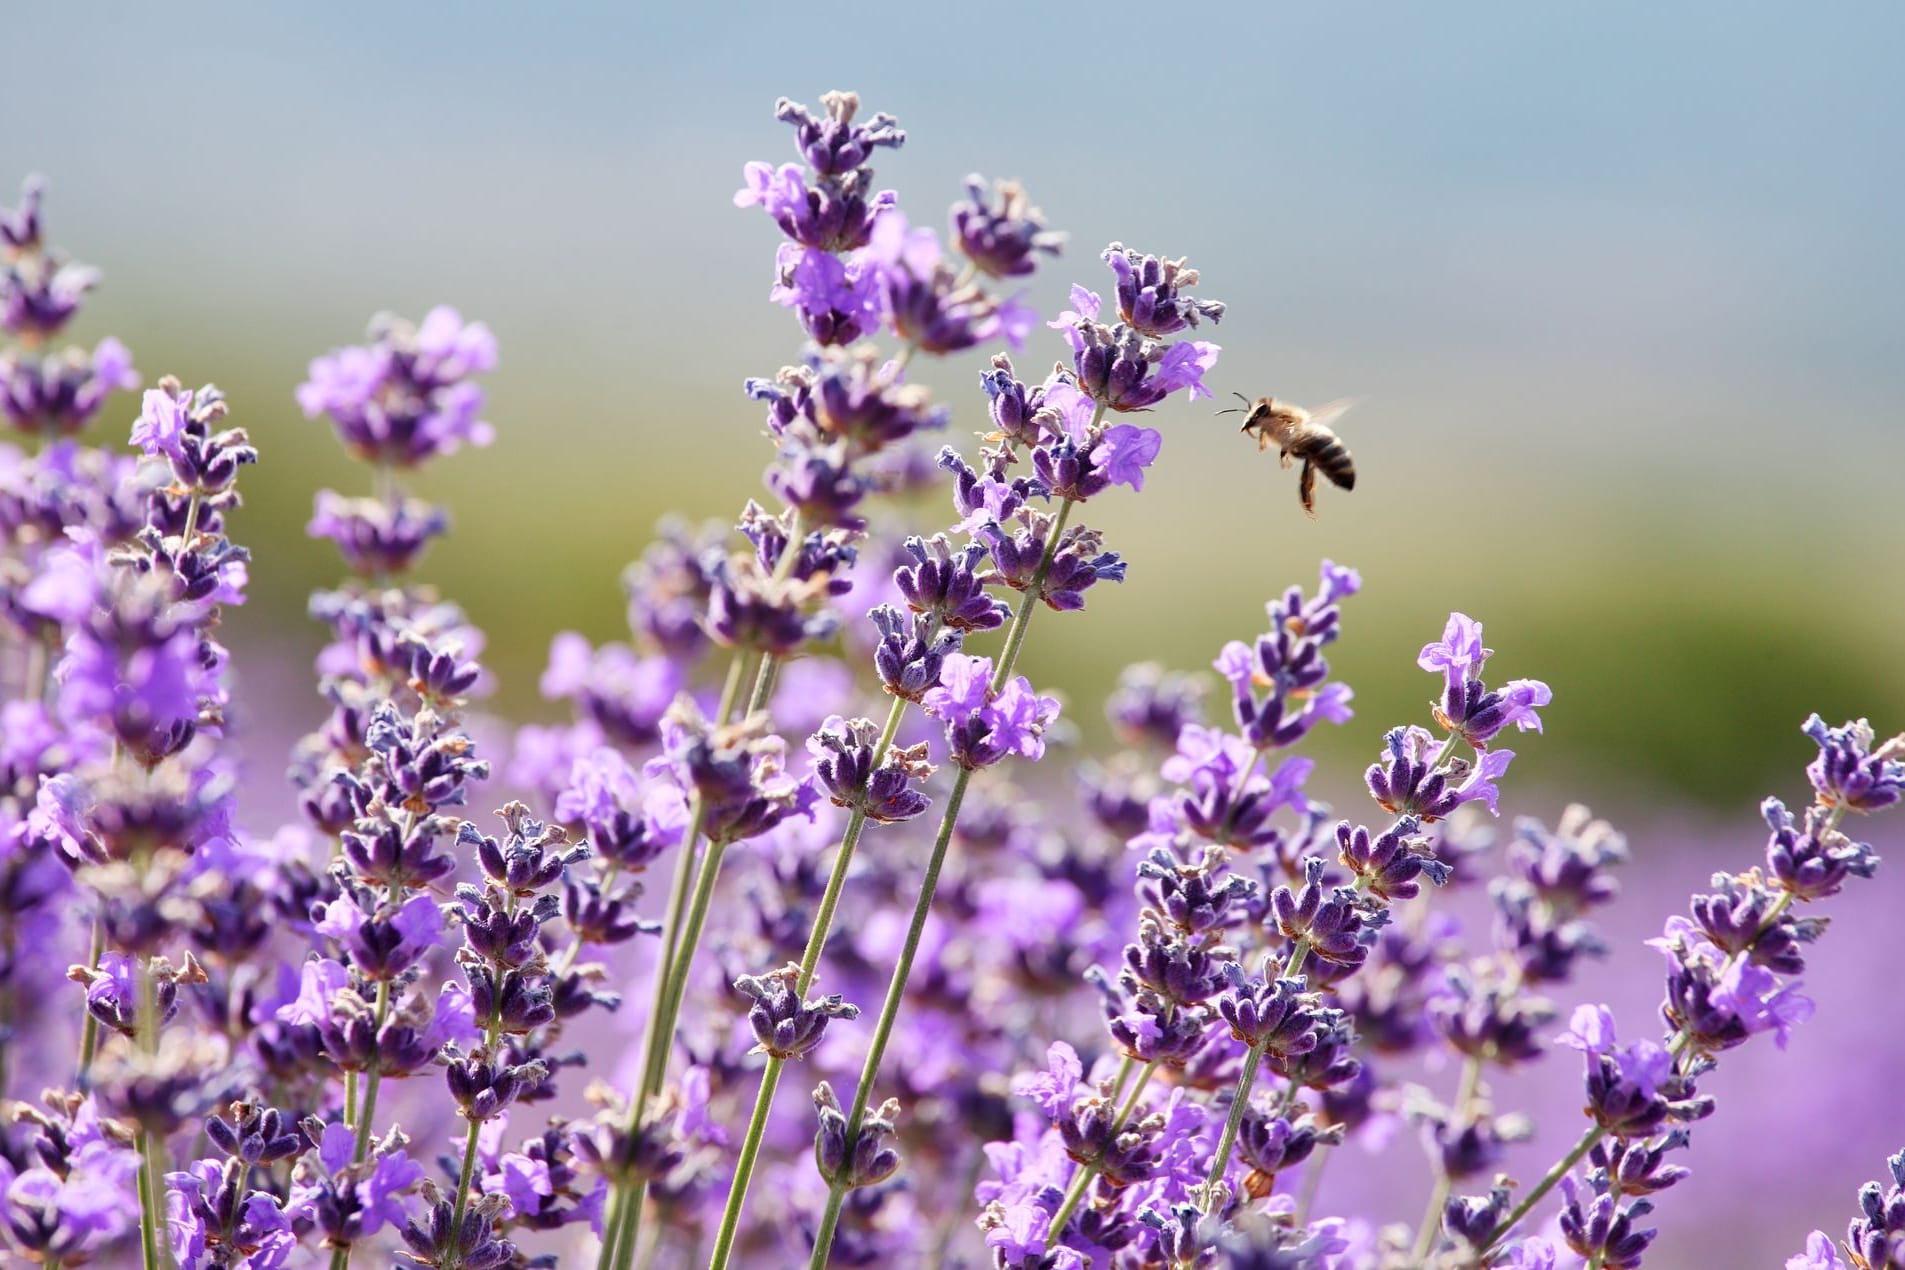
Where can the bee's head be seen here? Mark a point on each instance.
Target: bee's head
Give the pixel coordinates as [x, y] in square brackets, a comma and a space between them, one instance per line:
[1254, 412]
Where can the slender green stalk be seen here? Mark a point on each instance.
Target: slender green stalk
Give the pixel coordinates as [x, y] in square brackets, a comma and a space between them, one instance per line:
[1547, 1183]
[1227, 1141]
[890, 1009]
[1081, 1181]
[770, 667]
[661, 1029]
[373, 1081]
[896, 990]
[829, 1222]
[744, 1166]
[155, 1249]
[809, 962]
[625, 1212]
[148, 1204]
[691, 939]
[463, 1178]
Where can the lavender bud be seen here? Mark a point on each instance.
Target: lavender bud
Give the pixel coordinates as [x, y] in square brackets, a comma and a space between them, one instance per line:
[784, 1026]
[1597, 1225]
[1849, 773]
[871, 1158]
[1000, 235]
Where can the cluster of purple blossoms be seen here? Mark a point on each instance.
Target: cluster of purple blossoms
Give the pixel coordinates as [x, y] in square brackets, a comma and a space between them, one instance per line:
[1254, 955]
[362, 1037]
[1732, 967]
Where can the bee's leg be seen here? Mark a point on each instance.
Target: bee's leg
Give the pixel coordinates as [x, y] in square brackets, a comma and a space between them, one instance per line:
[1263, 442]
[1306, 486]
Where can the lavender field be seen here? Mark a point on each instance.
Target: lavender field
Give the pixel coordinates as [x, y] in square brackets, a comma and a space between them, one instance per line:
[760, 715]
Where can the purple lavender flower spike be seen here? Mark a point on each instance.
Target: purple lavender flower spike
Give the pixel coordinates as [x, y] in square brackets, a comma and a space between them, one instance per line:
[59, 395]
[1000, 235]
[1849, 771]
[927, 303]
[1813, 861]
[983, 727]
[406, 397]
[375, 537]
[945, 585]
[1877, 1236]
[843, 764]
[834, 144]
[836, 213]
[1119, 369]
[20, 226]
[739, 771]
[785, 1026]
[1598, 1224]
[1149, 298]
[40, 290]
[837, 298]
[1331, 925]
[872, 1158]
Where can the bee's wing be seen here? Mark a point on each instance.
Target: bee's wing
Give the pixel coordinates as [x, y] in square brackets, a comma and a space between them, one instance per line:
[1329, 412]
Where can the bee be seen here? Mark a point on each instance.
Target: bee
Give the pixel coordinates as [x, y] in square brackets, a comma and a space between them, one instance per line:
[1301, 434]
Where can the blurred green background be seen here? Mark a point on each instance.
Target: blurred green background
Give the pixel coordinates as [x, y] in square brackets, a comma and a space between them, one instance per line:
[1621, 291]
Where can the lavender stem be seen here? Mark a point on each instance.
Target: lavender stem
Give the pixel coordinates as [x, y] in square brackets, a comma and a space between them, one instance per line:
[809, 962]
[1086, 1172]
[889, 1010]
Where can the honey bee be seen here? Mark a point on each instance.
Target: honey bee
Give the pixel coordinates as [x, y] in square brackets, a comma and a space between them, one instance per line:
[1301, 434]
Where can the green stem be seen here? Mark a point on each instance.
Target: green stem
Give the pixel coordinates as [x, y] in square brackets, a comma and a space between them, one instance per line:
[829, 1221]
[890, 1009]
[148, 1204]
[191, 519]
[612, 1223]
[1547, 1183]
[631, 1232]
[463, 1178]
[154, 1247]
[1082, 1180]
[809, 962]
[492, 1030]
[659, 1037]
[744, 1167]
[691, 938]
[896, 990]
[1227, 1141]
[620, 1231]
[373, 1080]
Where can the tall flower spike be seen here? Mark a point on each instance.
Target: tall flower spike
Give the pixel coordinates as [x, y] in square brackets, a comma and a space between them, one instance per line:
[784, 1025]
[407, 396]
[1151, 299]
[1000, 235]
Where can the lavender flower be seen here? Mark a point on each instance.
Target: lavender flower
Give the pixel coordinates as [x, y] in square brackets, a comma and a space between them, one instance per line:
[406, 397]
[1001, 234]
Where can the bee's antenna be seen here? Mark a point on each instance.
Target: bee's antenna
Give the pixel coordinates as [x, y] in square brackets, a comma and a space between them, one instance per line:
[1237, 409]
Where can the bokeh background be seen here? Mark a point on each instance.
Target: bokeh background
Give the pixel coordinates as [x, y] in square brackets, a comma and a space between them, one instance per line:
[1622, 291]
